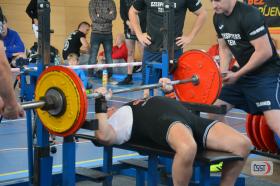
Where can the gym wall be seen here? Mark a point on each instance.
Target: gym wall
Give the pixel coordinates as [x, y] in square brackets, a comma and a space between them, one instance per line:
[67, 14]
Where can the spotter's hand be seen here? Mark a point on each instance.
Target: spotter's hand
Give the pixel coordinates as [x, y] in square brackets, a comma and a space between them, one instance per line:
[183, 41]
[144, 39]
[229, 77]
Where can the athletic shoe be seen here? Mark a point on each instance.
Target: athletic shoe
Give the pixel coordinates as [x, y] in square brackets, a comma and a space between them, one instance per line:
[216, 167]
[139, 69]
[126, 81]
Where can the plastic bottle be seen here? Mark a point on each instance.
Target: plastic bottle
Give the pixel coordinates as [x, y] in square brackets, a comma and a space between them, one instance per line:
[104, 77]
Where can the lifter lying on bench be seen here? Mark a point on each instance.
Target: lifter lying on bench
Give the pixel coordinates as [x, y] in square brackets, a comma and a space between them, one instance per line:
[165, 123]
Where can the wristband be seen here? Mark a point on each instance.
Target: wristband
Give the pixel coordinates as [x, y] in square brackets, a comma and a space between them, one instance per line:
[100, 105]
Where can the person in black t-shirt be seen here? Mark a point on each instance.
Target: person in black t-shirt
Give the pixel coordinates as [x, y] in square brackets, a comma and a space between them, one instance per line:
[130, 37]
[242, 31]
[152, 37]
[76, 43]
[164, 123]
[9, 108]
[32, 12]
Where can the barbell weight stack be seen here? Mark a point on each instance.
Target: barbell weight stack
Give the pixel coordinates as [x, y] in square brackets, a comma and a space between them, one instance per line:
[62, 101]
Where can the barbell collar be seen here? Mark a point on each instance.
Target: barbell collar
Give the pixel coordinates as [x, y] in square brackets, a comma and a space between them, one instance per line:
[53, 102]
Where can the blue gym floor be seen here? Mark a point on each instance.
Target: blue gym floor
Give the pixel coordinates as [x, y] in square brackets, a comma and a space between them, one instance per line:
[13, 137]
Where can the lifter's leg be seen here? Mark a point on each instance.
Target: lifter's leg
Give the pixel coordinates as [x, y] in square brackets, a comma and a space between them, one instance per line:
[224, 138]
[181, 141]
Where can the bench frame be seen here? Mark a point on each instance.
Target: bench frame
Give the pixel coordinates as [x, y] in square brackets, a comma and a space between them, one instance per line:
[201, 173]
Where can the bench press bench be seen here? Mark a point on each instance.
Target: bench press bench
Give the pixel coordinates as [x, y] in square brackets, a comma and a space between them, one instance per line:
[201, 173]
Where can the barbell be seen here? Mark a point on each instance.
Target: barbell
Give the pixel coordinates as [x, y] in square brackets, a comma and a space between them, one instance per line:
[54, 99]
[61, 101]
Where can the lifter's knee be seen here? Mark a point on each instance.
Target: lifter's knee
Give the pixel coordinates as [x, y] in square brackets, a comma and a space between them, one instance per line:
[186, 152]
[180, 139]
[242, 146]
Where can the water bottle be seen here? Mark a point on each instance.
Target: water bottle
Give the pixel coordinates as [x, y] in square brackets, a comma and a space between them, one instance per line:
[104, 77]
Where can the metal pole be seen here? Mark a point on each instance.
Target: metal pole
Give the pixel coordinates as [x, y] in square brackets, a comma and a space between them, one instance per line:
[33, 104]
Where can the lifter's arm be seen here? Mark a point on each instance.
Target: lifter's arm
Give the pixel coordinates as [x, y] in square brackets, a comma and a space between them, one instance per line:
[105, 134]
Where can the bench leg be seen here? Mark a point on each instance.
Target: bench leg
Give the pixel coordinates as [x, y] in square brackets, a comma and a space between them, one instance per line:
[140, 177]
[107, 165]
[240, 181]
[152, 177]
[204, 175]
[69, 173]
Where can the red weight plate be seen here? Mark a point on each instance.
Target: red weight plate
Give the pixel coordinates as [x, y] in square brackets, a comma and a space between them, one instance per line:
[257, 133]
[196, 62]
[267, 136]
[83, 99]
[249, 130]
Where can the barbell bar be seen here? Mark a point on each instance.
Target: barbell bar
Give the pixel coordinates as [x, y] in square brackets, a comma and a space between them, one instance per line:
[42, 103]
[33, 104]
[194, 80]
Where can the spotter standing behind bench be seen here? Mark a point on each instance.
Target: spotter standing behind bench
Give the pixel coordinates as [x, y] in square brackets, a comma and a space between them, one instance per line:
[165, 123]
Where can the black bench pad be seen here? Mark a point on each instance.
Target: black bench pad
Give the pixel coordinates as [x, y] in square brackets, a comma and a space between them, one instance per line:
[92, 174]
[208, 156]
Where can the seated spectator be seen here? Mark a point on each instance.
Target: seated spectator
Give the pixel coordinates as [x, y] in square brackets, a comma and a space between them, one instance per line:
[55, 58]
[213, 51]
[73, 60]
[76, 43]
[12, 42]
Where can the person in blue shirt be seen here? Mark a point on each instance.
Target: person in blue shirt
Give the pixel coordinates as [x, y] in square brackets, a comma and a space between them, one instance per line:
[12, 42]
[73, 60]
